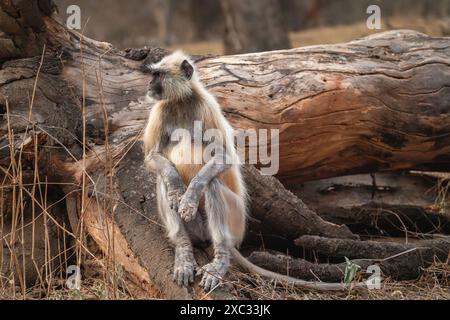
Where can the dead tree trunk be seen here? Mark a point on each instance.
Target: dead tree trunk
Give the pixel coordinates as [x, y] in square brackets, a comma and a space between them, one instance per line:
[253, 26]
[71, 117]
[381, 203]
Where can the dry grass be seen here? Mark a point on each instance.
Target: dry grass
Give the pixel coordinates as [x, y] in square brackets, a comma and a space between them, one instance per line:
[38, 241]
[97, 283]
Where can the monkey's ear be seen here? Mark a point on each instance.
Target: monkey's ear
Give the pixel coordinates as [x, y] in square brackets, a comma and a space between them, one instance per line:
[188, 69]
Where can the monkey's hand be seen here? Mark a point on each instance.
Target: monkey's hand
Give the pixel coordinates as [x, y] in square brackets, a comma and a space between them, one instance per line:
[189, 205]
[174, 197]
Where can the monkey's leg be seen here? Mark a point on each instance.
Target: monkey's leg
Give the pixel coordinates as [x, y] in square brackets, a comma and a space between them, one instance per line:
[185, 264]
[217, 211]
[174, 184]
[191, 198]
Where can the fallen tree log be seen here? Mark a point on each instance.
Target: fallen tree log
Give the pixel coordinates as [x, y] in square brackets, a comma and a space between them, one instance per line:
[71, 115]
[379, 103]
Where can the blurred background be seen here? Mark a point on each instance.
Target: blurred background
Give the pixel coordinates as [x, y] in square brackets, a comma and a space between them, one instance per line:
[239, 26]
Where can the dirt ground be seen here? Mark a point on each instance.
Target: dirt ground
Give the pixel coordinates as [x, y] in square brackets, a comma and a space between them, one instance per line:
[99, 284]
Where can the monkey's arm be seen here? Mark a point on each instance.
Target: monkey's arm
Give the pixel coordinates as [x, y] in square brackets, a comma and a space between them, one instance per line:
[191, 199]
[158, 164]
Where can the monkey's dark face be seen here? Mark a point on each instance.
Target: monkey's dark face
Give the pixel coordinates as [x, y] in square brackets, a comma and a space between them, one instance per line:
[155, 89]
[171, 82]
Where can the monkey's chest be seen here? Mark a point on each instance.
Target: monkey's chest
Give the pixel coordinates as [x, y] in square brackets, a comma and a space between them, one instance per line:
[187, 156]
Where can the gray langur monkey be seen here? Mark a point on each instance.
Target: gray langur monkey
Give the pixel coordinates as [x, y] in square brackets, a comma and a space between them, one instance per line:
[213, 205]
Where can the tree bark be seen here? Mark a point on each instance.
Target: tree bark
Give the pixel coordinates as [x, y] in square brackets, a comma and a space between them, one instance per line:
[344, 109]
[73, 117]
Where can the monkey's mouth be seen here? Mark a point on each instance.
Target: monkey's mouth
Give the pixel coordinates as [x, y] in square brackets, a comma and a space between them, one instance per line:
[155, 93]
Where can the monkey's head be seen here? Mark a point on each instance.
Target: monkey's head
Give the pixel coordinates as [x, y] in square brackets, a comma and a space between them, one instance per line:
[173, 77]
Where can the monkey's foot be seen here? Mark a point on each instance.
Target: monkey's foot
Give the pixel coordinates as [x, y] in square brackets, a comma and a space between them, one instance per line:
[188, 207]
[174, 197]
[212, 275]
[184, 270]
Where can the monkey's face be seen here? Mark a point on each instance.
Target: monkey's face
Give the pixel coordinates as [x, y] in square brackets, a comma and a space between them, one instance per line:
[171, 80]
[155, 89]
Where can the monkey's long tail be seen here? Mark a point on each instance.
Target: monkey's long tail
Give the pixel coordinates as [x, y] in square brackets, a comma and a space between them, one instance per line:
[311, 285]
